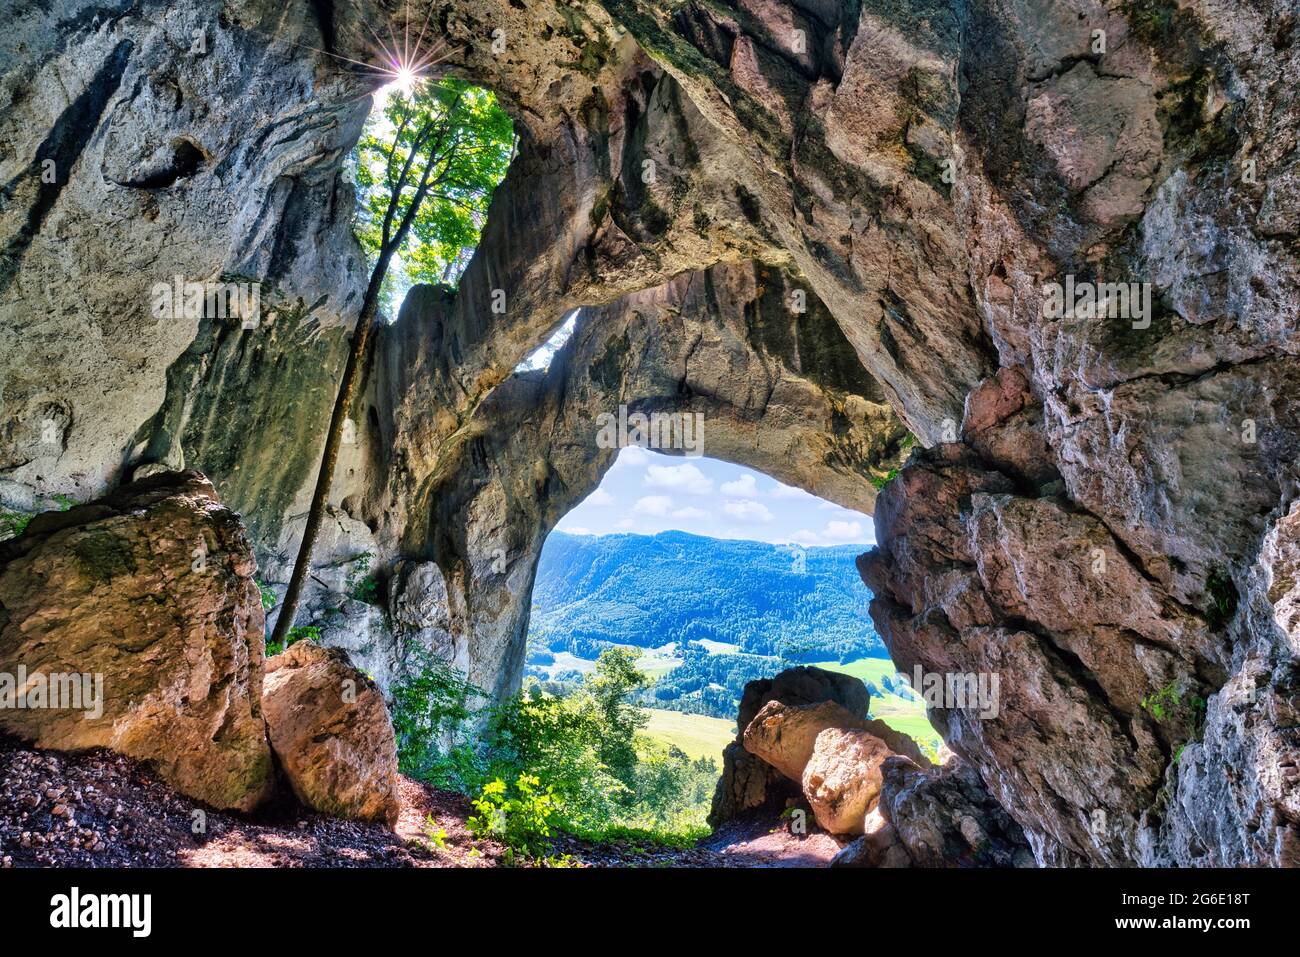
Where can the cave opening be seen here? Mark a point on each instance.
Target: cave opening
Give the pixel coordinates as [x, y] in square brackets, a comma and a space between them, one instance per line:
[670, 587]
[758, 231]
[467, 142]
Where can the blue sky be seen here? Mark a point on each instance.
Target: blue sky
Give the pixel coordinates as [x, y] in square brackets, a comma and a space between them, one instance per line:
[645, 493]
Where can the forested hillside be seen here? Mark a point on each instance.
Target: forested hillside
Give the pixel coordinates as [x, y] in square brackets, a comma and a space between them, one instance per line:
[800, 604]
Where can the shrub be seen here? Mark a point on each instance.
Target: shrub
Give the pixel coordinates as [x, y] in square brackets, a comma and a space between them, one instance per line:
[880, 481]
[1222, 598]
[520, 817]
[295, 635]
[1180, 707]
[429, 709]
[558, 740]
[581, 748]
[361, 585]
[12, 523]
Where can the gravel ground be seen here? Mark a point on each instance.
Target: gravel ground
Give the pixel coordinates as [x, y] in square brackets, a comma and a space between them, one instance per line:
[99, 809]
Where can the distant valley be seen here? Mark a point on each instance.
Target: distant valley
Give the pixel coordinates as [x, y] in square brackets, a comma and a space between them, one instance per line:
[709, 615]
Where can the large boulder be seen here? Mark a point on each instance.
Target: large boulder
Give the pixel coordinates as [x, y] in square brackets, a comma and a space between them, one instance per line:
[331, 733]
[946, 817]
[842, 778]
[879, 846]
[804, 685]
[940, 817]
[748, 782]
[138, 612]
[898, 742]
[785, 736]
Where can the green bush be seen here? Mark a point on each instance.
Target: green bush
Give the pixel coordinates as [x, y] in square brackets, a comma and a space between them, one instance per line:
[296, 634]
[361, 585]
[1181, 709]
[558, 740]
[518, 816]
[429, 710]
[605, 781]
[1222, 595]
[13, 523]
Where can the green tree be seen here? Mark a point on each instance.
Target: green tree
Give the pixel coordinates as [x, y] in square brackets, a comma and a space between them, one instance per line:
[426, 179]
[477, 149]
[608, 691]
[557, 740]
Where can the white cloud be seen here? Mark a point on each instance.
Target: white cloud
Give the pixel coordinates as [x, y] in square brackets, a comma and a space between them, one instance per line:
[680, 478]
[843, 532]
[747, 510]
[653, 505]
[805, 537]
[577, 530]
[631, 457]
[690, 512]
[743, 487]
[788, 491]
[599, 497]
[626, 523]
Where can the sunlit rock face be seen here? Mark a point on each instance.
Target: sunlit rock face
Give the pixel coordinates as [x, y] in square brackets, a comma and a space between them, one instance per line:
[133, 623]
[1108, 530]
[1103, 511]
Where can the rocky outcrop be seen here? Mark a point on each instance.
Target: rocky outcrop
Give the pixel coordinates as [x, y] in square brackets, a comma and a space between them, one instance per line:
[785, 737]
[946, 817]
[842, 778]
[748, 782]
[879, 846]
[804, 685]
[943, 817]
[827, 748]
[331, 733]
[133, 623]
[1116, 676]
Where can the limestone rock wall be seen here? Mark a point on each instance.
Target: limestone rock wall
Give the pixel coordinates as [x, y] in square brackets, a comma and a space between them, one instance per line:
[1104, 532]
[143, 143]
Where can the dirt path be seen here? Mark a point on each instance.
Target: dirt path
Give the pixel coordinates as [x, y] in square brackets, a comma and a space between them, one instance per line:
[99, 809]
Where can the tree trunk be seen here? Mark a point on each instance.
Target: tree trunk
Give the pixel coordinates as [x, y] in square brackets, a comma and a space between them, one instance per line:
[391, 242]
[333, 439]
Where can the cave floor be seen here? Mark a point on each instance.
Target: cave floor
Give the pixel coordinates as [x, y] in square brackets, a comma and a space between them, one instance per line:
[100, 809]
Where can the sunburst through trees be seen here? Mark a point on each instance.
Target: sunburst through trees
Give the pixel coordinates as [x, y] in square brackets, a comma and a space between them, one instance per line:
[426, 173]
